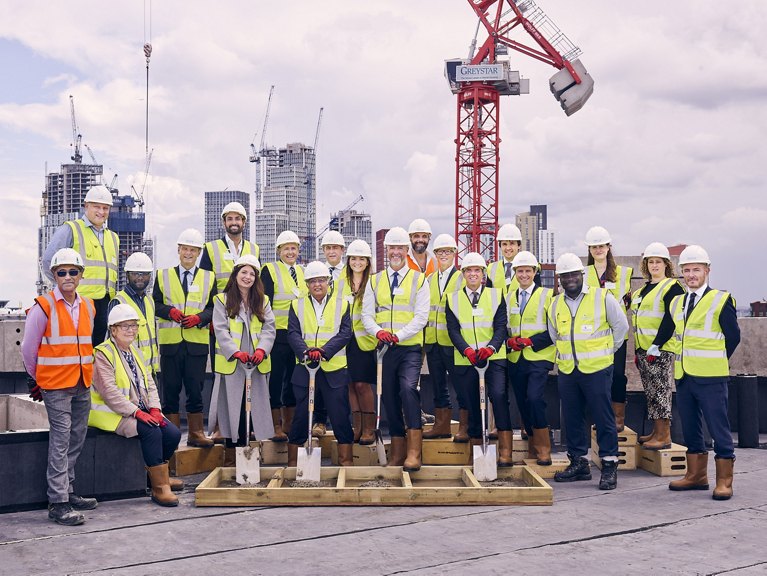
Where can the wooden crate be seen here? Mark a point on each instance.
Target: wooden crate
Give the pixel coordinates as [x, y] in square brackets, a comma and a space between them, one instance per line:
[276, 453]
[445, 452]
[192, 460]
[519, 449]
[670, 462]
[361, 455]
[557, 465]
[453, 427]
[626, 438]
[627, 456]
[440, 486]
[325, 442]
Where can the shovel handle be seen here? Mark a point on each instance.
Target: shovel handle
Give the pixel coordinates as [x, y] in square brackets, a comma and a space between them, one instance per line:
[312, 382]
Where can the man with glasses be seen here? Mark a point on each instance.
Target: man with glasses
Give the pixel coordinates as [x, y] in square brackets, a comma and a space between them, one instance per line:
[58, 355]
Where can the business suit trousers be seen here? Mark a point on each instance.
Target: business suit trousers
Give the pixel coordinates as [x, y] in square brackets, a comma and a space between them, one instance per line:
[528, 381]
[619, 379]
[700, 398]
[400, 395]
[336, 403]
[440, 361]
[497, 392]
[280, 386]
[182, 370]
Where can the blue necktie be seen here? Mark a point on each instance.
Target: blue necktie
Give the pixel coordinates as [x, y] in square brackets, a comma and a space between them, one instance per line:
[523, 301]
[394, 282]
[185, 283]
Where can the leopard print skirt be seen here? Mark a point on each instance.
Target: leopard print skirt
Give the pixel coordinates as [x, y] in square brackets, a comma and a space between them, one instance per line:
[657, 380]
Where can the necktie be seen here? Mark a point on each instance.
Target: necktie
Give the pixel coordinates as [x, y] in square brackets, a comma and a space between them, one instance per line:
[522, 300]
[293, 274]
[394, 282]
[508, 270]
[185, 283]
[474, 299]
[690, 306]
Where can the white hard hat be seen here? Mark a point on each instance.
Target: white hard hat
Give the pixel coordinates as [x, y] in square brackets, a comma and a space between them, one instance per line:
[287, 237]
[694, 254]
[473, 259]
[67, 256]
[139, 262]
[99, 195]
[316, 269]
[419, 225]
[524, 258]
[121, 313]
[248, 260]
[597, 235]
[235, 207]
[397, 236]
[569, 262]
[332, 238]
[508, 232]
[191, 237]
[444, 241]
[359, 248]
[657, 250]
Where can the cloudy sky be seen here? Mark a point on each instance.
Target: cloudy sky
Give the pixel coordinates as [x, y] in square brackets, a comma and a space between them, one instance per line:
[669, 148]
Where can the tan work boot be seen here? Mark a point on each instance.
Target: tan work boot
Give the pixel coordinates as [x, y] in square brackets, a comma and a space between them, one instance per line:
[441, 427]
[230, 457]
[196, 436]
[723, 489]
[159, 479]
[174, 419]
[279, 433]
[414, 442]
[505, 440]
[319, 430]
[357, 425]
[397, 454]
[368, 435]
[532, 448]
[619, 409]
[462, 436]
[542, 446]
[287, 418]
[696, 477]
[293, 455]
[345, 457]
[651, 435]
[662, 439]
[217, 438]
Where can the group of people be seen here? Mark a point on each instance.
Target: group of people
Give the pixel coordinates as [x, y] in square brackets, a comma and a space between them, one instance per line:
[93, 355]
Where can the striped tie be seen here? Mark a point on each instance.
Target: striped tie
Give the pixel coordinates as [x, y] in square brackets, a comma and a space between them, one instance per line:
[293, 274]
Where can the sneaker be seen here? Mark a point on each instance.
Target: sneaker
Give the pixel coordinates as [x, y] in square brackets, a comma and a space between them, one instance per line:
[609, 479]
[80, 503]
[578, 469]
[62, 513]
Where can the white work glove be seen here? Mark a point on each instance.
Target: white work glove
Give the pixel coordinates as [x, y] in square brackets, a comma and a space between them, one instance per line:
[652, 353]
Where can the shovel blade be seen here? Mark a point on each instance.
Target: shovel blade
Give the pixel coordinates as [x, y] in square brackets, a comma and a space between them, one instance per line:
[380, 449]
[248, 465]
[308, 465]
[485, 464]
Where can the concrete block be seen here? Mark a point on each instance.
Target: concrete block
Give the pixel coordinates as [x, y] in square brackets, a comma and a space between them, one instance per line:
[12, 332]
[26, 414]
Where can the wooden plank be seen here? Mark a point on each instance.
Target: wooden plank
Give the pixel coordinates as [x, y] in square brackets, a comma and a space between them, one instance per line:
[625, 438]
[341, 480]
[469, 479]
[557, 465]
[627, 456]
[406, 483]
[443, 451]
[361, 455]
[670, 462]
[192, 460]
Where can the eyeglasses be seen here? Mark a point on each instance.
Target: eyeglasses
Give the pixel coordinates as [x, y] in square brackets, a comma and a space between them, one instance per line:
[442, 252]
[127, 327]
[71, 272]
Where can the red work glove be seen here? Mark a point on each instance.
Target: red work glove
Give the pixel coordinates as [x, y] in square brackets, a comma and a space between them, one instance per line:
[36, 393]
[314, 354]
[512, 343]
[243, 357]
[146, 418]
[190, 321]
[484, 353]
[176, 315]
[524, 342]
[386, 337]
[258, 356]
[471, 354]
[653, 352]
[157, 414]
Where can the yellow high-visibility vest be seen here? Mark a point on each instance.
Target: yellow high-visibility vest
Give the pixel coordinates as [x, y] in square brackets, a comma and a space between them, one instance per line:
[618, 288]
[147, 328]
[436, 328]
[223, 260]
[316, 332]
[285, 290]
[100, 274]
[648, 312]
[529, 322]
[394, 312]
[496, 272]
[225, 365]
[476, 323]
[365, 341]
[193, 302]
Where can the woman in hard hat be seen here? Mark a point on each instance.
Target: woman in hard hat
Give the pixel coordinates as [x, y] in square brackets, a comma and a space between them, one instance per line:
[360, 352]
[653, 333]
[244, 325]
[603, 272]
[124, 400]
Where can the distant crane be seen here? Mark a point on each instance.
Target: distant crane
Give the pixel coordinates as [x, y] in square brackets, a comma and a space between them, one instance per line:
[257, 154]
[77, 138]
[311, 171]
[113, 184]
[140, 194]
[334, 221]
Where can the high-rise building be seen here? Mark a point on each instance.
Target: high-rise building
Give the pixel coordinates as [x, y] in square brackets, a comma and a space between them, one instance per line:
[214, 205]
[540, 212]
[528, 225]
[381, 260]
[536, 236]
[353, 225]
[546, 247]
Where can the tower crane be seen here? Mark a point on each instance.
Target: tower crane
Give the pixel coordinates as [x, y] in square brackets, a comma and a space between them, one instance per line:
[478, 82]
[77, 138]
[257, 154]
[311, 192]
[334, 220]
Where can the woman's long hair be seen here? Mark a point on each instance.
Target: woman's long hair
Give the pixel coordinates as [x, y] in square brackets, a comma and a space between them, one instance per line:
[670, 272]
[255, 295]
[610, 271]
[349, 273]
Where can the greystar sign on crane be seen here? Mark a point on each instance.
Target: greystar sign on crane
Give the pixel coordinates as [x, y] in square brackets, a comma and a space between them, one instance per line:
[479, 72]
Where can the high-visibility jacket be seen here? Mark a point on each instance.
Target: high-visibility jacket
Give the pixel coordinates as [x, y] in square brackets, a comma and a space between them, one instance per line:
[585, 341]
[224, 365]
[496, 273]
[476, 323]
[66, 353]
[285, 290]
[529, 322]
[436, 328]
[194, 302]
[395, 311]
[648, 312]
[618, 288]
[101, 416]
[223, 260]
[147, 328]
[365, 341]
[100, 274]
[431, 263]
[316, 332]
[699, 342]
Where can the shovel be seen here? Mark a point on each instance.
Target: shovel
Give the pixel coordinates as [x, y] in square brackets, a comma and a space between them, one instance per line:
[309, 460]
[380, 448]
[485, 461]
[248, 461]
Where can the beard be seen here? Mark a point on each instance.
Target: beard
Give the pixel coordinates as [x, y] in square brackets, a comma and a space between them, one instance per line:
[419, 247]
[234, 228]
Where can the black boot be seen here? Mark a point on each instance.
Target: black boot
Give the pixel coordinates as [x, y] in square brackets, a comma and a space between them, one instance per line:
[577, 470]
[62, 513]
[609, 479]
[80, 503]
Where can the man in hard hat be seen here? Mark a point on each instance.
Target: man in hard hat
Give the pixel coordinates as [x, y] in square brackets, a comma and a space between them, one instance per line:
[98, 247]
[419, 257]
[706, 333]
[58, 355]
[587, 325]
[319, 328]
[531, 352]
[476, 322]
[500, 273]
[395, 309]
[183, 298]
[283, 282]
[439, 348]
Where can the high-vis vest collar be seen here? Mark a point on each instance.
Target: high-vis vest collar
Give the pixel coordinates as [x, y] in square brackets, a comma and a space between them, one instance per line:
[223, 260]
[316, 332]
[618, 288]
[476, 323]
[496, 273]
[365, 341]
[147, 328]
[100, 274]
[436, 328]
[648, 312]
[285, 290]
[700, 347]
[236, 325]
[395, 311]
[194, 302]
[529, 322]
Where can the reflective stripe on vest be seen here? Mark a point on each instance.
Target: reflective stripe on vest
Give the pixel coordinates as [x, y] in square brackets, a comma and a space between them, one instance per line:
[436, 328]
[285, 290]
[100, 274]
[194, 302]
[147, 328]
[622, 283]
[394, 313]
[530, 322]
[225, 365]
[476, 330]
[700, 347]
[222, 266]
[317, 334]
[648, 312]
[496, 272]
[585, 342]
[365, 341]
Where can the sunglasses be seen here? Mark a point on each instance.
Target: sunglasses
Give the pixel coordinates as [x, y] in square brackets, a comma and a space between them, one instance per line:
[71, 272]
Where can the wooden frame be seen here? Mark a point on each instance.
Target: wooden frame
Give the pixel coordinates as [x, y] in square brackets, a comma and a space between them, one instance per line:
[670, 462]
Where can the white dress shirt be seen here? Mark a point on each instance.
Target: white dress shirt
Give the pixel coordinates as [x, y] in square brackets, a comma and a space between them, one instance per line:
[420, 313]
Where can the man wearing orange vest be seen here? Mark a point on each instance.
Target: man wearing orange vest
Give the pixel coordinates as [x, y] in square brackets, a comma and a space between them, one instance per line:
[58, 354]
[418, 257]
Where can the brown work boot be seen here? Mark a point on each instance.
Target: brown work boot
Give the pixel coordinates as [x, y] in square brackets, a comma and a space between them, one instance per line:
[287, 418]
[651, 435]
[217, 438]
[368, 435]
[523, 432]
[723, 489]
[397, 453]
[319, 430]
[345, 457]
[532, 448]
[279, 433]
[293, 455]
[230, 457]
[542, 446]
[662, 439]
[196, 436]
[505, 440]
[441, 427]
[174, 419]
[160, 481]
[462, 436]
[357, 425]
[414, 443]
[619, 409]
[696, 477]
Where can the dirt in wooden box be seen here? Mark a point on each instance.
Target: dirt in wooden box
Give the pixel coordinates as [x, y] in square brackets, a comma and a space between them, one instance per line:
[310, 484]
[233, 484]
[377, 483]
[504, 483]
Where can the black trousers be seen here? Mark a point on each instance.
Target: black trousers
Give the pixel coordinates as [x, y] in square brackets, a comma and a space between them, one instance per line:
[618, 388]
[158, 443]
[182, 370]
[280, 387]
[528, 380]
[338, 408]
[497, 393]
[401, 371]
[100, 320]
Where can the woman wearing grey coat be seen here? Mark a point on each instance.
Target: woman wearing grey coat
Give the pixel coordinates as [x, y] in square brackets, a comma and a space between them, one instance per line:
[244, 324]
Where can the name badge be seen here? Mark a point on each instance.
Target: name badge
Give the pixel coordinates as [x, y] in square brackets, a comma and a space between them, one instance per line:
[193, 288]
[228, 256]
[477, 312]
[587, 328]
[514, 310]
[398, 291]
[296, 292]
[610, 285]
